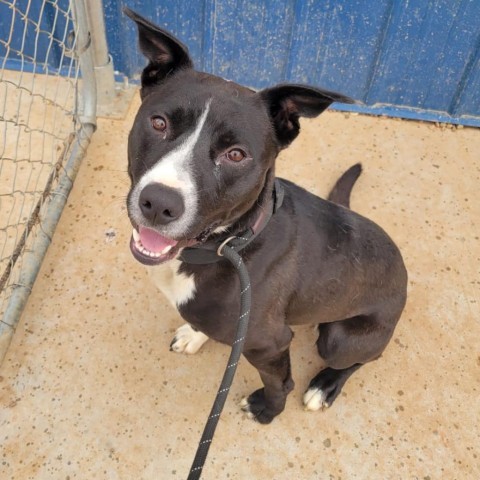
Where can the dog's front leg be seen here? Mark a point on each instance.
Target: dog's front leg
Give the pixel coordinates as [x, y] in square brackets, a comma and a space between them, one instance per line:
[273, 365]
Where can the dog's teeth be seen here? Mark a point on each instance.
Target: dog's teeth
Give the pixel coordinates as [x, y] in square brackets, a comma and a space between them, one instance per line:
[166, 249]
[148, 253]
[136, 236]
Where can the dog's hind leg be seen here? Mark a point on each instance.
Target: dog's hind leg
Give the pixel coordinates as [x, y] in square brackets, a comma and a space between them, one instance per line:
[345, 346]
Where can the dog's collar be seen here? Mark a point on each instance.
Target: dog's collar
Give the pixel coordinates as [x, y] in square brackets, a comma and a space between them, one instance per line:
[210, 251]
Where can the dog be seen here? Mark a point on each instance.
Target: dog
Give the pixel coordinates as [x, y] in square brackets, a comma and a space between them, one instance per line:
[201, 161]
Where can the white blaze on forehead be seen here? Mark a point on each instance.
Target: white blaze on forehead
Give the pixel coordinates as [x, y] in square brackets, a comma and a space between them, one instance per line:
[174, 170]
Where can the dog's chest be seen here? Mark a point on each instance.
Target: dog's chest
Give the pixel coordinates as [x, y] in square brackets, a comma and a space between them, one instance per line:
[179, 288]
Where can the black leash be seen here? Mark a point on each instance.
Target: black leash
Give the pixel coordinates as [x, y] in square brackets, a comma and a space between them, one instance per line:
[245, 302]
[211, 252]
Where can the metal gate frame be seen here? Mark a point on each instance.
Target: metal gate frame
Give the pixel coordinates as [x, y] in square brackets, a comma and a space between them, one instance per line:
[52, 202]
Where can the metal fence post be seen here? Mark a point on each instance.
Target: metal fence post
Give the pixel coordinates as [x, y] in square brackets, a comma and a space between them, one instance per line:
[103, 63]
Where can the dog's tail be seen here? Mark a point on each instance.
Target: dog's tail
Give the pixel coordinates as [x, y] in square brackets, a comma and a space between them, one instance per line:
[340, 193]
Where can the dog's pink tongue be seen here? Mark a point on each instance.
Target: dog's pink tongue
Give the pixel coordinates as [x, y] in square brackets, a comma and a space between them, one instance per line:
[153, 241]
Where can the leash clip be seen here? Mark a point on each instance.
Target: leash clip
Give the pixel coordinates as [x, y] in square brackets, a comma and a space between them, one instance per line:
[220, 248]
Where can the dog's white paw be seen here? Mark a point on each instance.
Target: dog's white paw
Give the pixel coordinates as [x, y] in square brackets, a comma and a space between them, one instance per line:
[245, 406]
[187, 340]
[315, 399]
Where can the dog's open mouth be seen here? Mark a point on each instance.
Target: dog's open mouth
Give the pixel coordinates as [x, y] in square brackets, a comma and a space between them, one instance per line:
[151, 248]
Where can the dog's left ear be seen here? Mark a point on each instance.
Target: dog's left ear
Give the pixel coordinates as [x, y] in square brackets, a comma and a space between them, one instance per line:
[165, 53]
[287, 103]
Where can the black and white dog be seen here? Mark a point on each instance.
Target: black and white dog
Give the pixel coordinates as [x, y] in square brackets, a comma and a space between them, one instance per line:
[201, 160]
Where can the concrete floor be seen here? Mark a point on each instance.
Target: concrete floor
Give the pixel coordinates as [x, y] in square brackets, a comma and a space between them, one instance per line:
[90, 390]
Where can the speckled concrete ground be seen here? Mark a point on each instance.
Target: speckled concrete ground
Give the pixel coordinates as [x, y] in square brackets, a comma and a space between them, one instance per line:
[89, 389]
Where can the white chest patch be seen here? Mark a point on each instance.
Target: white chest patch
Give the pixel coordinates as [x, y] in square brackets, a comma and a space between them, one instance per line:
[177, 287]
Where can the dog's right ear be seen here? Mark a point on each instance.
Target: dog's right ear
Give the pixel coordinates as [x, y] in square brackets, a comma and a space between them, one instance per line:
[165, 53]
[287, 103]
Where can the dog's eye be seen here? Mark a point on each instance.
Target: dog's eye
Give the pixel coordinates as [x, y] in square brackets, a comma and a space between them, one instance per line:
[159, 123]
[236, 155]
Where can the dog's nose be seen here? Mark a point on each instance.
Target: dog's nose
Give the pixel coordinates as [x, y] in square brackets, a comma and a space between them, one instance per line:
[161, 204]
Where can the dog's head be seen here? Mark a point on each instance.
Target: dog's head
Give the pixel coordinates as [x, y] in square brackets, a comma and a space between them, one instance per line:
[202, 150]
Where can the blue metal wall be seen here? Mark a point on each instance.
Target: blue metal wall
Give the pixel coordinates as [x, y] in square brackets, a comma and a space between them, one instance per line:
[410, 58]
[416, 58]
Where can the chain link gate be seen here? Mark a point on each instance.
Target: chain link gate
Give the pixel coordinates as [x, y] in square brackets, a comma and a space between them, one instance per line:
[47, 118]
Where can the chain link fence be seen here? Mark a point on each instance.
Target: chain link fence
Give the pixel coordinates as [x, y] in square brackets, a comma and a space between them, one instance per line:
[47, 117]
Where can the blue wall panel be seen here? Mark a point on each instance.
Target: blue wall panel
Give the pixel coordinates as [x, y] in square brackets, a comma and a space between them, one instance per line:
[186, 19]
[426, 50]
[419, 57]
[469, 93]
[250, 41]
[337, 45]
